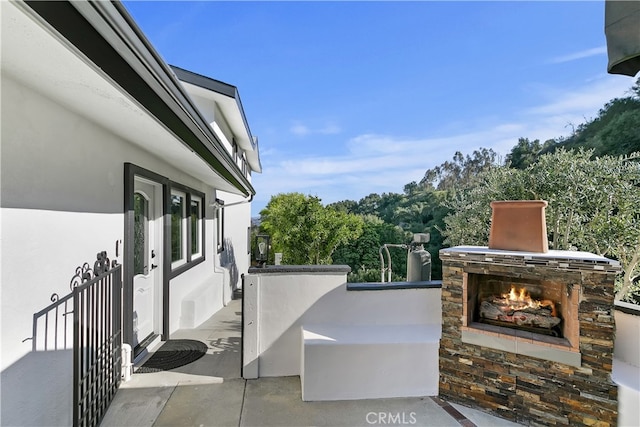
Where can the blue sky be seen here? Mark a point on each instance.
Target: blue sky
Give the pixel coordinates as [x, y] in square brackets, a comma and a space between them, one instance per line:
[353, 98]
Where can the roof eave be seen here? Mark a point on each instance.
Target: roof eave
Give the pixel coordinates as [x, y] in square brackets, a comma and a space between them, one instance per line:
[223, 91]
[107, 35]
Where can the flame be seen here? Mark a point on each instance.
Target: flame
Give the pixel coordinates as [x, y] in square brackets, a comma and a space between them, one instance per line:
[521, 296]
[518, 299]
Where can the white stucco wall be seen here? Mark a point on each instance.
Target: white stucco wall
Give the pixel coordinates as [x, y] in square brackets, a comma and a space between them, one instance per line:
[626, 365]
[627, 344]
[200, 288]
[277, 305]
[62, 188]
[59, 205]
[237, 220]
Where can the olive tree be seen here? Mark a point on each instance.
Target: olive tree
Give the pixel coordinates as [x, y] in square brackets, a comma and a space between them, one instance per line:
[594, 206]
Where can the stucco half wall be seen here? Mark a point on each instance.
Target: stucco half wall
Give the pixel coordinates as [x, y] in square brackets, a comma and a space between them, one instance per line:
[280, 302]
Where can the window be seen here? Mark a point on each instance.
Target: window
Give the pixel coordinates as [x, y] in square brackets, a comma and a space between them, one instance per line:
[178, 234]
[235, 151]
[195, 224]
[186, 207]
[140, 234]
[167, 216]
[220, 224]
[244, 165]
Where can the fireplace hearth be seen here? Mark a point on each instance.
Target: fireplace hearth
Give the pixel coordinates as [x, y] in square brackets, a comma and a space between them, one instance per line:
[529, 336]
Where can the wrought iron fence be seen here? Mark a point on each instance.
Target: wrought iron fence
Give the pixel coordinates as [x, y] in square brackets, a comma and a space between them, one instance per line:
[89, 321]
[97, 339]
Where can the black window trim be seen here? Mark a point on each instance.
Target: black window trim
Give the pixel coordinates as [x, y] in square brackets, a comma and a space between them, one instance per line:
[130, 172]
[189, 262]
[220, 226]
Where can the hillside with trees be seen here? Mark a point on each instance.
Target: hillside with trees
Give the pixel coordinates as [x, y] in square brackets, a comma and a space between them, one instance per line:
[591, 180]
[614, 132]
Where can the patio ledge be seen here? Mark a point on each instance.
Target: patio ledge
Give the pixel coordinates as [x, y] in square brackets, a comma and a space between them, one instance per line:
[379, 286]
[628, 308]
[301, 269]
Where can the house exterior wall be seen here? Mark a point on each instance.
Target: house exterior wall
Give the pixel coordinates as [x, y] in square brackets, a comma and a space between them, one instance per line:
[58, 210]
[62, 187]
[237, 220]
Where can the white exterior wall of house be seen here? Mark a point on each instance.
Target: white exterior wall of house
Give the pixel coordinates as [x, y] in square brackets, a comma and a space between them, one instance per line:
[62, 196]
[62, 191]
[237, 221]
[236, 257]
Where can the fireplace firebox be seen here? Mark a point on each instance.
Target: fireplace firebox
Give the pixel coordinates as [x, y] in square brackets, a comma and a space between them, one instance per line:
[527, 306]
[544, 311]
[529, 336]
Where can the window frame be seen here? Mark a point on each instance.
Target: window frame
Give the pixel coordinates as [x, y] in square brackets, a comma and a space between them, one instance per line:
[244, 165]
[234, 150]
[198, 234]
[220, 225]
[177, 262]
[190, 258]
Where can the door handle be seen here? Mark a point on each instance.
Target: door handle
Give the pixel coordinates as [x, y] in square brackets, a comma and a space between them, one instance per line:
[153, 266]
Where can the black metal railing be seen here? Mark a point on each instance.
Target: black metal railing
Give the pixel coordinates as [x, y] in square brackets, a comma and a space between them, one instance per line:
[88, 321]
[97, 339]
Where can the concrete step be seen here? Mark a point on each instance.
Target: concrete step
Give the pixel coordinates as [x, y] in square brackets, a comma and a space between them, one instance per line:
[369, 361]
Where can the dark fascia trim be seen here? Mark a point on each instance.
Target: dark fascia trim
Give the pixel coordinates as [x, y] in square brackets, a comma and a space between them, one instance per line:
[215, 86]
[171, 107]
[628, 308]
[301, 269]
[205, 82]
[387, 286]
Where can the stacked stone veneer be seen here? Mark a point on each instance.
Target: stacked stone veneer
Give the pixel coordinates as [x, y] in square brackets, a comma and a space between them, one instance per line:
[522, 388]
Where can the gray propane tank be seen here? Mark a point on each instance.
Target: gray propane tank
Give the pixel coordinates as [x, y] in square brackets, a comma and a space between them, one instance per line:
[418, 259]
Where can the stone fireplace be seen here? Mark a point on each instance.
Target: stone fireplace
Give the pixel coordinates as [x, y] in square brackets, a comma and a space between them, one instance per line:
[529, 336]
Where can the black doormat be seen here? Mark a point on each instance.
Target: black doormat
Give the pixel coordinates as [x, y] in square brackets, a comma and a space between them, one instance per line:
[173, 354]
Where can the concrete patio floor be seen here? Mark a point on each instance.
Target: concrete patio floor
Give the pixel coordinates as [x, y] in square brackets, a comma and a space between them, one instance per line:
[211, 392]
